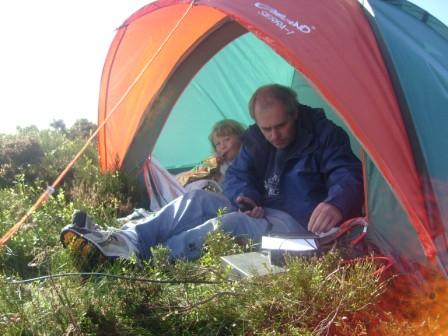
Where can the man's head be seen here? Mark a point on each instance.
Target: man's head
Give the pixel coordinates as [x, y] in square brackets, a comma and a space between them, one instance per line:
[275, 110]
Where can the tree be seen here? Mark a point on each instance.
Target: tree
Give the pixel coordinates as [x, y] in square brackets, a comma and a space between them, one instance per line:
[58, 125]
[19, 154]
[81, 129]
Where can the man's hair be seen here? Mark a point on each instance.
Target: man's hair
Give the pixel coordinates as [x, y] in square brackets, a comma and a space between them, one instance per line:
[266, 94]
[226, 127]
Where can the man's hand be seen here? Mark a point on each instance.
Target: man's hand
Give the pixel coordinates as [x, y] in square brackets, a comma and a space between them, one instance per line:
[324, 217]
[255, 210]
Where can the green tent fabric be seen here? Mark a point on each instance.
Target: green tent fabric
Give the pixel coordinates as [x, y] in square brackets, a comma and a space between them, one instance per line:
[242, 66]
[420, 60]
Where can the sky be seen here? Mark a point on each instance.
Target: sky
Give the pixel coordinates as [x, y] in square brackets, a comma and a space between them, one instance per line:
[53, 51]
[51, 58]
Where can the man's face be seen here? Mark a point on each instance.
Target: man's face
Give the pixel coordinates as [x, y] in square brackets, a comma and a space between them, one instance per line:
[277, 126]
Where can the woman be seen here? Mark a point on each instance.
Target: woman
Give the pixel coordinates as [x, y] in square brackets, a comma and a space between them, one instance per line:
[225, 138]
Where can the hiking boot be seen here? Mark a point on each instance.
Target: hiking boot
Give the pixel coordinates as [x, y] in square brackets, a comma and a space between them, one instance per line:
[97, 244]
[85, 253]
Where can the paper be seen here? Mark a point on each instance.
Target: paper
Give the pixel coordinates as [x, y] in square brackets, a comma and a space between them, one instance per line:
[288, 243]
[329, 232]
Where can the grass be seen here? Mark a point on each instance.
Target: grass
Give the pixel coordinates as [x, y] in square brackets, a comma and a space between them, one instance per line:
[310, 298]
[314, 296]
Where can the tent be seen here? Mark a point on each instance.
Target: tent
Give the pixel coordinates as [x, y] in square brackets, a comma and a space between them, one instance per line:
[378, 67]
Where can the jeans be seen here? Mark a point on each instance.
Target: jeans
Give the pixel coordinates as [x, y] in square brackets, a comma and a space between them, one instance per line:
[183, 224]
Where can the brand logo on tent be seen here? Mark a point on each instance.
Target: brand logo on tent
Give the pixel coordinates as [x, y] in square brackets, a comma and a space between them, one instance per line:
[281, 20]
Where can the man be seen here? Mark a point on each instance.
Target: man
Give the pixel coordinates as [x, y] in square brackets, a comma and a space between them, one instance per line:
[297, 161]
[295, 173]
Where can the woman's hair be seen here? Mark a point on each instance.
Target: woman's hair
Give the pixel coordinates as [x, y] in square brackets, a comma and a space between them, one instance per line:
[226, 127]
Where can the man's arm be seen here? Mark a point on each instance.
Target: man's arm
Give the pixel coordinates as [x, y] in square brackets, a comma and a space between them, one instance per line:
[343, 172]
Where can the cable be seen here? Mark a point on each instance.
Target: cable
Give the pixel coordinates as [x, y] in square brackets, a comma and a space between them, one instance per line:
[108, 275]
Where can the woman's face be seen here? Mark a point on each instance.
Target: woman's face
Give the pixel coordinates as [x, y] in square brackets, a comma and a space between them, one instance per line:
[227, 146]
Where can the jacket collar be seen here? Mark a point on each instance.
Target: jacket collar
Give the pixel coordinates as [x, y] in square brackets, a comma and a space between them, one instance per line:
[305, 141]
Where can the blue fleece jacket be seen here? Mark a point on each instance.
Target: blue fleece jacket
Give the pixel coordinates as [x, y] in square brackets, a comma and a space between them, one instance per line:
[319, 166]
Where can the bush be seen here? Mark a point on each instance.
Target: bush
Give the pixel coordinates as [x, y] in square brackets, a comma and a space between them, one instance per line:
[19, 155]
